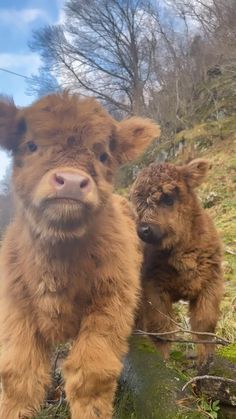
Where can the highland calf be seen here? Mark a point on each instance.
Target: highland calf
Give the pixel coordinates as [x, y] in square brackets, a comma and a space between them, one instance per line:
[70, 260]
[182, 251]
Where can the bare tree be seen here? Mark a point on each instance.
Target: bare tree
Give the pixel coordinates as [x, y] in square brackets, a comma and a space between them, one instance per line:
[105, 47]
[217, 21]
[42, 83]
[142, 56]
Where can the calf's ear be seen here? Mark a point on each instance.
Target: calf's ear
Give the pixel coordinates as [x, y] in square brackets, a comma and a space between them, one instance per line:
[195, 172]
[132, 138]
[9, 124]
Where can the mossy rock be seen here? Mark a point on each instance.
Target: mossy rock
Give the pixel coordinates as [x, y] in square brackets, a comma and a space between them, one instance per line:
[223, 366]
[150, 388]
[227, 413]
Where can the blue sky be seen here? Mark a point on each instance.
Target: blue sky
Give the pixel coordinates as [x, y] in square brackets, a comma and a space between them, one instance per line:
[18, 18]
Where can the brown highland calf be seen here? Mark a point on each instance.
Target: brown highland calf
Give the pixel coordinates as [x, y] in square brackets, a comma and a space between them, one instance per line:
[70, 260]
[182, 251]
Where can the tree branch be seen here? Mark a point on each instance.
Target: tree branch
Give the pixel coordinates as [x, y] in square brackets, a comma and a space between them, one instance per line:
[182, 329]
[217, 341]
[208, 377]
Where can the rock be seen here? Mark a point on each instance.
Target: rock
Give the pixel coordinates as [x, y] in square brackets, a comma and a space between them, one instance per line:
[152, 389]
[223, 365]
[149, 388]
[221, 388]
[227, 413]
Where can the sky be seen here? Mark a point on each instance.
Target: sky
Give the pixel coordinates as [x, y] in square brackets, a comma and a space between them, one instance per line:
[18, 18]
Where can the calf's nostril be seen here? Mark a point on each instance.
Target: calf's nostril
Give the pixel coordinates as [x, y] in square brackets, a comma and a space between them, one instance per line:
[84, 183]
[146, 230]
[59, 180]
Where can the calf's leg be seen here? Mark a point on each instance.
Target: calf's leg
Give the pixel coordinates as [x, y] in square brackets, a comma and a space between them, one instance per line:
[204, 313]
[95, 361]
[24, 370]
[156, 315]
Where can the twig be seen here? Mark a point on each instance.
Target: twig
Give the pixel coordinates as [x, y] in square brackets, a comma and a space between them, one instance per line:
[210, 342]
[230, 251]
[177, 339]
[142, 332]
[208, 377]
[182, 329]
[163, 314]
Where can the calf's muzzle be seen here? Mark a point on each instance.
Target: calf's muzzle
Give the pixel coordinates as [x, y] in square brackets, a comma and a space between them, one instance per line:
[150, 233]
[72, 184]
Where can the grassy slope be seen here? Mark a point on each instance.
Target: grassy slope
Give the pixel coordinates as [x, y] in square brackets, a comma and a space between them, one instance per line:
[221, 188]
[219, 197]
[215, 141]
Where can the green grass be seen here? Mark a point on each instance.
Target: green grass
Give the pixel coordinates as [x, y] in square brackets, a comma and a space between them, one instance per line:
[221, 182]
[59, 411]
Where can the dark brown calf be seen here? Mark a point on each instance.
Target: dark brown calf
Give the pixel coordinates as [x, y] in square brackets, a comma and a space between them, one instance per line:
[182, 250]
[70, 261]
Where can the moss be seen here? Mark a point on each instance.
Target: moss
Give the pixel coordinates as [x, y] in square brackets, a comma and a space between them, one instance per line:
[146, 347]
[151, 388]
[190, 415]
[124, 404]
[223, 365]
[228, 352]
[177, 355]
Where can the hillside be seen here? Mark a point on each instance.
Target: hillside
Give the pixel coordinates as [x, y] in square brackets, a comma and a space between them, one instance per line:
[216, 141]
[218, 195]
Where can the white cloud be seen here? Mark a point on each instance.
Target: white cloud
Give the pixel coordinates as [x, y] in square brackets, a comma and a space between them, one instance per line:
[23, 63]
[20, 18]
[62, 17]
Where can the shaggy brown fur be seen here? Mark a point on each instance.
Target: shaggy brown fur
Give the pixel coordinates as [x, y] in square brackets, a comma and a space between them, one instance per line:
[69, 263]
[182, 250]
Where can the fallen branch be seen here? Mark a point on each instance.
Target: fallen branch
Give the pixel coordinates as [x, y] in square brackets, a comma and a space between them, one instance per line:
[208, 377]
[142, 332]
[219, 339]
[177, 339]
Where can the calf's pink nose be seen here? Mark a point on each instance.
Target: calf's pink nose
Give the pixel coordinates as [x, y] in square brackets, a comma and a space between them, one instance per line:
[71, 185]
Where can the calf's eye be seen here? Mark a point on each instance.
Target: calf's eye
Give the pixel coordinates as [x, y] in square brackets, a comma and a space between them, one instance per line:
[103, 157]
[167, 200]
[32, 147]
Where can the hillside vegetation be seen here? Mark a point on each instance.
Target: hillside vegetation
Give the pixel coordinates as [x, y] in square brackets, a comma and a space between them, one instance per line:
[212, 137]
[216, 141]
